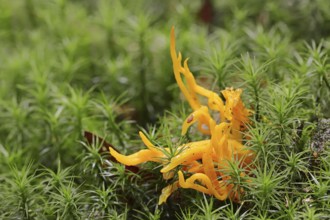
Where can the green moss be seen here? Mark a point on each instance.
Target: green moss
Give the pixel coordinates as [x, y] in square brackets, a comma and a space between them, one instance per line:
[67, 66]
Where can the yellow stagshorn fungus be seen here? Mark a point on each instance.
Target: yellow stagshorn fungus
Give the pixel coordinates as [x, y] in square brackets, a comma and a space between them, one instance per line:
[205, 161]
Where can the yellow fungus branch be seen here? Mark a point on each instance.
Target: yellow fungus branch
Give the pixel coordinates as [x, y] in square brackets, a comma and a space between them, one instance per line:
[192, 152]
[138, 157]
[177, 68]
[205, 162]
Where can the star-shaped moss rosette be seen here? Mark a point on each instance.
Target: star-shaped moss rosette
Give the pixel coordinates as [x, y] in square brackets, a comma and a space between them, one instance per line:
[200, 165]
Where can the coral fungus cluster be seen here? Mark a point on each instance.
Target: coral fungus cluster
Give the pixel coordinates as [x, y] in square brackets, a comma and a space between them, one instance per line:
[201, 165]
